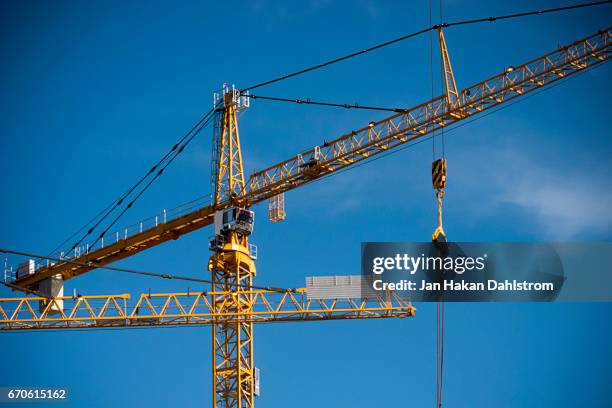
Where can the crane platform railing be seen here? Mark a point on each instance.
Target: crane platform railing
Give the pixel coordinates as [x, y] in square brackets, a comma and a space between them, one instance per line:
[115, 237]
[413, 123]
[354, 147]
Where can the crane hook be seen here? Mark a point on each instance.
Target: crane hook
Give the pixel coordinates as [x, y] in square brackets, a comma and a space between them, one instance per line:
[438, 179]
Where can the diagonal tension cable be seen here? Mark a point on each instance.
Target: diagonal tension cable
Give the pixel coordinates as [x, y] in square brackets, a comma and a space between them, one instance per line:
[137, 272]
[104, 214]
[336, 60]
[176, 152]
[423, 31]
[24, 290]
[459, 125]
[336, 105]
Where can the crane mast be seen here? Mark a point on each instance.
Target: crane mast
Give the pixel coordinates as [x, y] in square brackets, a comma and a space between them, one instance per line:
[228, 173]
[233, 306]
[232, 268]
[353, 147]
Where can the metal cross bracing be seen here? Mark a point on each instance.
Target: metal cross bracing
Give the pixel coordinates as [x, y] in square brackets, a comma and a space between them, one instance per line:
[452, 95]
[227, 155]
[232, 306]
[276, 208]
[232, 268]
[232, 361]
[189, 308]
[425, 118]
[356, 146]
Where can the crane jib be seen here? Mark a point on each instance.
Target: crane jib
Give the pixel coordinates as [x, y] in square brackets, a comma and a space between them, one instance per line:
[354, 147]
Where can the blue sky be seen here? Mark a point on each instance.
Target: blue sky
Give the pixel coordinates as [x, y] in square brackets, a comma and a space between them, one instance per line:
[93, 93]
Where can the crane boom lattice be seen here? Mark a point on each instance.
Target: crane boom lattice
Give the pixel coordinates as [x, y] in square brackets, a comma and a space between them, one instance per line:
[354, 147]
[233, 306]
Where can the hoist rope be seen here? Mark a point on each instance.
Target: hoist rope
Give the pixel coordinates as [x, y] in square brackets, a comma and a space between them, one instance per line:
[104, 214]
[161, 170]
[443, 80]
[440, 304]
[431, 80]
[440, 332]
[458, 125]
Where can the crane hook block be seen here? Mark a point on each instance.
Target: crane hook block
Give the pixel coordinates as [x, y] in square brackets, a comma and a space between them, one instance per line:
[439, 236]
[438, 174]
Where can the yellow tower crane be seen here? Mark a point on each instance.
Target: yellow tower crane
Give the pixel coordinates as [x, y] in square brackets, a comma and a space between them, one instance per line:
[234, 305]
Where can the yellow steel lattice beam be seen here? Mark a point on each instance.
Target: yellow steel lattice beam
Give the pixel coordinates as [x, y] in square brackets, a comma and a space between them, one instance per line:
[359, 145]
[175, 309]
[233, 362]
[229, 184]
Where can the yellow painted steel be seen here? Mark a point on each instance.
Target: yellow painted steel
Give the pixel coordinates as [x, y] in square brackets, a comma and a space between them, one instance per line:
[232, 268]
[414, 123]
[233, 365]
[452, 95]
[192, 308]
[229, 184]
[232, 307]
[359, 145]
[276, 208]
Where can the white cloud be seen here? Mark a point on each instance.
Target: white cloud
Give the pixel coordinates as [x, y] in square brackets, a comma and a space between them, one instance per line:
[565, 201]
[564, 205]
[558, 194]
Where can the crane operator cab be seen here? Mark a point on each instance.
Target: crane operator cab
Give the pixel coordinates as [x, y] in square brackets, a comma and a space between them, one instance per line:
[235, 219]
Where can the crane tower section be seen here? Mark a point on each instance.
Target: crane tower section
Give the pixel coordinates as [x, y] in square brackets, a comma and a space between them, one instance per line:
[227, 171]
[231, 264]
